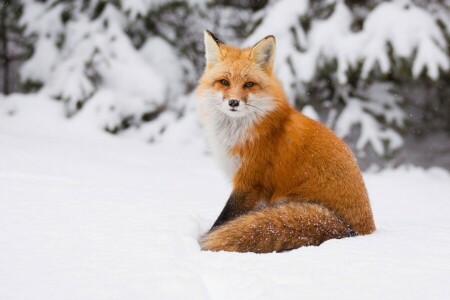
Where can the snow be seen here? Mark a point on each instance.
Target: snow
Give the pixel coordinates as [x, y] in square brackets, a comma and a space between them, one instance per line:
[310, 112]
[84, 215]
[141, 7]
[407, 28]
[354, 113]
[39, 67]
[279, 18]
[162, 57]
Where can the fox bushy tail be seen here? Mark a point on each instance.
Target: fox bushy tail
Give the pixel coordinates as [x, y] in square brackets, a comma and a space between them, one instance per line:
[277, 228]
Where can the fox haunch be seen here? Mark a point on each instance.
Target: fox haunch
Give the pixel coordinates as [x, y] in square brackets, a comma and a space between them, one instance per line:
[295, 183]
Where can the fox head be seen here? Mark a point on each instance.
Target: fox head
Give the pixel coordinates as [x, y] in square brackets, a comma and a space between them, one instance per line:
[239, 82]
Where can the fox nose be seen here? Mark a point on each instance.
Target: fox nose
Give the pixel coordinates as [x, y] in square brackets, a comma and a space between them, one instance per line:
[233, 103]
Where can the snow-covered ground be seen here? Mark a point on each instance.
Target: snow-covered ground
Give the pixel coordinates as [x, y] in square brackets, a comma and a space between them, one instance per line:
[85, 215]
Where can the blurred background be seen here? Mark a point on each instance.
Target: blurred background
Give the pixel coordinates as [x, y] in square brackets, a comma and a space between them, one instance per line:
[376, 72]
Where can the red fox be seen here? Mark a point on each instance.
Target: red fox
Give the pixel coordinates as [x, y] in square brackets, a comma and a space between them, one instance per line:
[295, 183]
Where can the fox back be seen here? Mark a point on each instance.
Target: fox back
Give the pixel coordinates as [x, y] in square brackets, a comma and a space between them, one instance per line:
[287, 170]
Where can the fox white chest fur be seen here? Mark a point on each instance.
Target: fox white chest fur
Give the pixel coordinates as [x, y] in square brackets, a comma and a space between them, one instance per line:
[224, 132]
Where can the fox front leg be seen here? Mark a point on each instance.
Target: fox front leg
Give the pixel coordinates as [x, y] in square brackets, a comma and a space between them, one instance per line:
[239, 203]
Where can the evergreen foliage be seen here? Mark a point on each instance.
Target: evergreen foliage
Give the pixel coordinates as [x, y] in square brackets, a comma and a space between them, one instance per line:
[376, 72]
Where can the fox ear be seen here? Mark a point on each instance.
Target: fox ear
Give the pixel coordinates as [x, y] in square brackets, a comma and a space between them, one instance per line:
[263, 52]
[212, 48]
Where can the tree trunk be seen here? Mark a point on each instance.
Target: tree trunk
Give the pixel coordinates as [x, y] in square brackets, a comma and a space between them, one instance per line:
[4, 39]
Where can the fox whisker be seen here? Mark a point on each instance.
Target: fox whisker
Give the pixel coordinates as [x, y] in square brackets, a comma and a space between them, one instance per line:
[254, 106]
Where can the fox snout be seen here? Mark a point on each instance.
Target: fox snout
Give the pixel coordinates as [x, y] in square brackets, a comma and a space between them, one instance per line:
[233, 103]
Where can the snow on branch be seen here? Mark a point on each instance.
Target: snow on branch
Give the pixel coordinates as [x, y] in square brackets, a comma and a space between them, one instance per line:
[358, 113]
[90, 59]
[413, 34]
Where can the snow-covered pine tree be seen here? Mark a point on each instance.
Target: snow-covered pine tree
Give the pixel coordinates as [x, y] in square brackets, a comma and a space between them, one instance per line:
[349, 61]
[84, 57]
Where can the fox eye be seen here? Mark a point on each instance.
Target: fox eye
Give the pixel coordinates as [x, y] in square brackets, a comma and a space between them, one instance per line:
[249, 84]
[224, 82]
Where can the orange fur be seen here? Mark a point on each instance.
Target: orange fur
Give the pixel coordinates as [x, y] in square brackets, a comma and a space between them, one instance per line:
[277, 229]
[280, 156]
